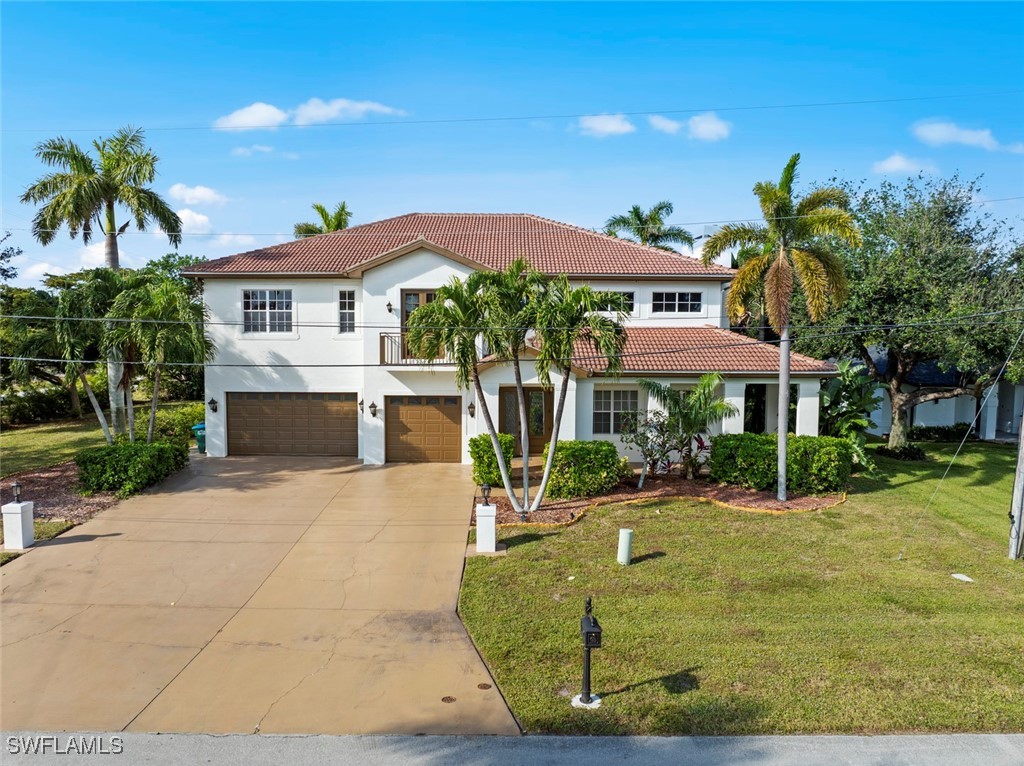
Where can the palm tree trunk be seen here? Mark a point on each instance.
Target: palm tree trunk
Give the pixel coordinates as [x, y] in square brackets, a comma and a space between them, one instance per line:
[76, 400]
[152, 407]
[506, 480]
[524, 427]
[115, 369]
[97, 408]
[783, 409]
[553, 444]
[130, 408]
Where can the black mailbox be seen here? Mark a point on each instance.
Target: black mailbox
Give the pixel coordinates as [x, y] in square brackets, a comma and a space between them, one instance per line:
[590, 629]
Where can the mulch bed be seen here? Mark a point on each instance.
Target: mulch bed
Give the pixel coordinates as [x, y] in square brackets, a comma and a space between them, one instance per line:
[564, 511]
[54, 490]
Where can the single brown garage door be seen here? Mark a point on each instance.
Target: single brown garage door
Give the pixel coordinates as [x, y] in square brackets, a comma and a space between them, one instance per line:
[423, 429]
[292, 424]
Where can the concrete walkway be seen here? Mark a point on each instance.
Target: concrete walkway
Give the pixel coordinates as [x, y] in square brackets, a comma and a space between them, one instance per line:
[279, 595]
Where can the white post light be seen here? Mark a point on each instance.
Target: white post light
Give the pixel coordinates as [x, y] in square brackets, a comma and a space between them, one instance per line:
[19, 531]
[486, 513]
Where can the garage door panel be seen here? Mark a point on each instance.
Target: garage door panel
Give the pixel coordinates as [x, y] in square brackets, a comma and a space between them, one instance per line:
[423, 429]
[292, 424]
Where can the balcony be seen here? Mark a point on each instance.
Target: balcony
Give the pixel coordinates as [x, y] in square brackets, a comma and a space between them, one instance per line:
[394, 352]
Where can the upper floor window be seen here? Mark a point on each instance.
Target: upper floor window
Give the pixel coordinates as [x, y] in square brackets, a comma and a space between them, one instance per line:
[266, 311]
[611, 406]
[673, 303]
[629, 300]
[346, 311]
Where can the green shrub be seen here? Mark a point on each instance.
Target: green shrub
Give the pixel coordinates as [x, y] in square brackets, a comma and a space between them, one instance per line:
[583, 469]
[814, 464]
[485, 462]
[35, 405]
[953, 433]
[126, 469]
[906, 452]
[171, 425]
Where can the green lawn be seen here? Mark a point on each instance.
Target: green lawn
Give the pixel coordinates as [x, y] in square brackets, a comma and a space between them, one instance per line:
[741, 623]
[25, 447]
[44, 530]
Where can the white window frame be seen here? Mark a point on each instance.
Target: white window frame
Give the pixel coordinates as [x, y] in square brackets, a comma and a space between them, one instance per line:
[614, 410]
[636, 301]
[676, 302]
[354, 310]
[292, 332]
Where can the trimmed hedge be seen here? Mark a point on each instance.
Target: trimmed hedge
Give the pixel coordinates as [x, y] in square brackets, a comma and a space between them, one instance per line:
[36, 405]
[173, 426]
[126, 469]
[907, 452]
[584, 468]
[941, 433]
[485, 462]
[814, 464]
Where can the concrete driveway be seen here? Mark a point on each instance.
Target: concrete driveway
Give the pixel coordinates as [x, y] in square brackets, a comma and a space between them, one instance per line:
[284, 595]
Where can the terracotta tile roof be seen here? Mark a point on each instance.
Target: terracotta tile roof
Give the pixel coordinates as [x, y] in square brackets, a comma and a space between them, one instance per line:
[491, 239]
[651, 350]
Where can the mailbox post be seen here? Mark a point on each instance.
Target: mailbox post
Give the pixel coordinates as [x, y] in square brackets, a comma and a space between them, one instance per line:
[590, 631]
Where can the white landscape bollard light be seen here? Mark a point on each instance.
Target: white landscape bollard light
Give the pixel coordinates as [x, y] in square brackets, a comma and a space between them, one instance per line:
[19, 532]
[486, 538]
[625, 546]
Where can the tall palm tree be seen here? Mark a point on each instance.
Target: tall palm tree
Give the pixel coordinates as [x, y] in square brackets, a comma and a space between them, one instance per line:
[649, 228]
[85, 191]
[793, 241]
[450, 327]
[694, 412]
[568, 319]
[164, 323]
[329, 221]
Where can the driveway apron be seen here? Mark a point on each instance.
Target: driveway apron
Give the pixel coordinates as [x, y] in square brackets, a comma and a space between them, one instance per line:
[277, 595]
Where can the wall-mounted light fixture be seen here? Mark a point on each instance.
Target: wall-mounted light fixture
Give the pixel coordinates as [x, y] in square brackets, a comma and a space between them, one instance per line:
[472, 409]
[391, 309]
[213, 404]
[373, 409]
[361, 408]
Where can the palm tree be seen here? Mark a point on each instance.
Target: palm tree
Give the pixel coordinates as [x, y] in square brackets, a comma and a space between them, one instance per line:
[693, 412]
[160, 319]
[793, 240]
[649, 228]
[329, 221]
[449, 327]
[568, 319]
[87, 190]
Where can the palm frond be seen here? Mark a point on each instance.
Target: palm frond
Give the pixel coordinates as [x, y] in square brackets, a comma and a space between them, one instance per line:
[814, 281]
[789, 175]
[828, 196]
[732, 235]
[307, 229]
[746, 286]
[778, 291]
[830, 222]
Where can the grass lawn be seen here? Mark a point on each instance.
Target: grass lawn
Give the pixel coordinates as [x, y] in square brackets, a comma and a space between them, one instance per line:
[44, 530]
[25, 447]
[738, 623]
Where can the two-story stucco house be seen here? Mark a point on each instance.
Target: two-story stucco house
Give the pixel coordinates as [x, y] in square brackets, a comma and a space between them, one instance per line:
[311, 359]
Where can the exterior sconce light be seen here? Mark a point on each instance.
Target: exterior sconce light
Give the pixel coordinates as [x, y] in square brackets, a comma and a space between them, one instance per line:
[472, 409]
[213, 404]
[485, 491]
[361, 407]
[373, 409]
[391, 309]
[16, 489]
[590, 632]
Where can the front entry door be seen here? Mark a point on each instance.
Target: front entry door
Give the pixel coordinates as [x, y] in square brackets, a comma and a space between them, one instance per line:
[540, 415]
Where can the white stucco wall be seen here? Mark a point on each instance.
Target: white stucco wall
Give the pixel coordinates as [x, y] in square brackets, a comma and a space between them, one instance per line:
[711, 303]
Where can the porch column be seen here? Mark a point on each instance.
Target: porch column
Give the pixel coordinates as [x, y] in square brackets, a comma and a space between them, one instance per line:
[807, 405]
[989, 414]
[567, 428]
[735, 394]
[771, 408]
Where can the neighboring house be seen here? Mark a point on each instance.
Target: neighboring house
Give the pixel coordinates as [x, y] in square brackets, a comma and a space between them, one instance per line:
[311, 358]
[1000, 408]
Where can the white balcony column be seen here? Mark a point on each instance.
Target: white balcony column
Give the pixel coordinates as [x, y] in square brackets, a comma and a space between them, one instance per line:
[734, 394]
[771, 408]
[989, 414]
[807, 405]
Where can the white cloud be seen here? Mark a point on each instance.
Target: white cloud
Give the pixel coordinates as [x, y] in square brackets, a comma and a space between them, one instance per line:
[249, 151]
[290, 155]
[317, 110]
[258, 115]
[93, 256]
[664, 124]
[39, 270]
[235, 239]
[193, 222]
[708, 127]
[603, 125]
[939, 133]
[900, 163]
[196, 195]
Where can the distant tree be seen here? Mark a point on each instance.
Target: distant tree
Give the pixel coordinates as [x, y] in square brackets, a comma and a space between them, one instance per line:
[9, 253]
[329, 221]
[171, 266]
[649, 227]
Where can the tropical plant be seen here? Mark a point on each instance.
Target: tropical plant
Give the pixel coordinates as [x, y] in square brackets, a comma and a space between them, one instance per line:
[85, 191]
[655, 435]
[329, 221]
[794, 243]
[692, 412]
[570, 322]
[649, 227]
[847, 401]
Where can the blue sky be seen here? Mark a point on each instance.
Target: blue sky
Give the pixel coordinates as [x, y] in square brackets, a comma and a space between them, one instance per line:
[179, 69]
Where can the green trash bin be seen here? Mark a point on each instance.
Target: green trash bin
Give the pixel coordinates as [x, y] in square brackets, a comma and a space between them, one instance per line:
[200, 434]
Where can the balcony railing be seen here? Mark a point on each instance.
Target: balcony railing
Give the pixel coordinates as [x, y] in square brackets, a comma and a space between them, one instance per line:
[394, 350]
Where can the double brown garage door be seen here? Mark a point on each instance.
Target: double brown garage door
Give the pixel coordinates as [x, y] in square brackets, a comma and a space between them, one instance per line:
[423, 429]
[293, 424]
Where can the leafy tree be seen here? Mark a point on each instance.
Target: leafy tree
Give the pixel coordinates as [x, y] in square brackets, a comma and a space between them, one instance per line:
[692, 412]
[655, 435]
[929, 262]
[8, 254]
[649, 227]
[88, 190]
[171, 266]
[329, 221]
[795, 246]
